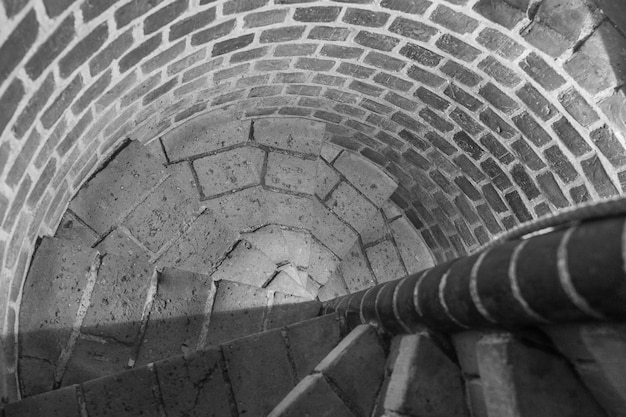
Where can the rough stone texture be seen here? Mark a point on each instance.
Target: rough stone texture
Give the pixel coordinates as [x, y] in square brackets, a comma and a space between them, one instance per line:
[413, 250]
[287, 284]
[541, 384]
[424, 381]
[271, 241]
[247, 265]
[355, 270]
[366, 177]
[93, 359]
[385, 261]
[331, 231]
[347, 203]
[298, 247]
[322, 263]
[291, 173]
[59, 403]
[356, 367]
[229, 170]
[290, 134]
[326, 179]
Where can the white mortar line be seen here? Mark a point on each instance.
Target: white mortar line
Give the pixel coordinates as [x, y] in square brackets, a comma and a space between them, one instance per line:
[208, 310]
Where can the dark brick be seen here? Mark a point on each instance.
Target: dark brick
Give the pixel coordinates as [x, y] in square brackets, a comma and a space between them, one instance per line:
[502, 12]
[230, 45]
[495, 123]
[537, 103]
[134, 56]
[32, 109]
[560, 164]
[456, 22]
[357, 71]
[578, 107]
[375, 106]
[440, 143]
[132, 10]
[442, 162]
[496, 148]
[464, 232]
[488, 218]
[431, 99]
[358, 126]
[5, 149]
[341, 97]
[609, 145]
[228, 97]
[579, 194]
[414, 219]
[295, 111]
[570, 137]
[295, 49]
[83, 50]
[260, 112]
[541, 72]
[531, 129]
[460, 73]
[496, 174]
[283, 34]
[346, 143]
[94, 8]
[111, 52]
[388, 139]
[542, 209]
[467, 188]
[159, 91]
[457, 48]
[51, 48]
[212, 33]
[266, 18]
[425, 77]
[413, 139]
[376, 41]
[164, 16]
[265, 91]
[331, 80]
[596, 174]
[62, 102]
[509, 222]
[498, 98]
[94, 91]
[398, 100]
[383, 61]
[42, 183]
[374, 156]
[19, 166]
[314, 64]
[249, 55]
[499, 72]
[552, 190]
[468, 145]
[408, 122]
[416, 159]
[13, 7]
[329, 33]
[364, 17]
[412, 29]
[392, 82]
[316, 14]
[499, 43]
[525, 183]
[462, 97]
[421, 55]
[239, 6]
[466, 122]
[191, 24]
[163, 58]
[467, 166]
[17, 203]
[18, 44]
[349, 110]
[304, 90]
[466, 209]
[435, 120]
[517, 205]
[493, 198]
[412, 7]
[343, 52]
[527, 155]
[442, 181]
[72, 137]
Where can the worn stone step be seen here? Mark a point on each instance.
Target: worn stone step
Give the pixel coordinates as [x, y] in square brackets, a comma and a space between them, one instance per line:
[346, 380]
[249, 375]
[246, 264]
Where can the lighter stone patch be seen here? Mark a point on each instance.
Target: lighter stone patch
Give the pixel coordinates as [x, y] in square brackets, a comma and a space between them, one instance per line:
[372, 181]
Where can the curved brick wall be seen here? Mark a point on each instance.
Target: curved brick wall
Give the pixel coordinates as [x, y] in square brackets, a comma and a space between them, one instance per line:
[487, 112]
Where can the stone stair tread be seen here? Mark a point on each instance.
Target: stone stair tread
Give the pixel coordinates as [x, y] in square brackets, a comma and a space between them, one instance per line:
[194, 384]
[298, 246]
[297, 135]
[285, 283]
[245, 264]
[73, 229]
[270, 240]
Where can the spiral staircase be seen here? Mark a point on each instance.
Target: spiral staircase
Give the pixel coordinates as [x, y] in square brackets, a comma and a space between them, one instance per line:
[210, 273]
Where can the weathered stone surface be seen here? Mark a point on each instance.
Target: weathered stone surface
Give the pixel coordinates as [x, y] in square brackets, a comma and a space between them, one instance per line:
[347, 203]
[205, 133]
[119, 243]
[425, 381]
[177, 314]
[298, 247]
[355, 270]
[311, 340]
[385, 261]
[366, 177]
[119, 186]
[259, 370]
[118, 298]
[330, 230]
[376, 229]
[286, 284]
[247, 265]
[291, 134]
[238, 310]
[93, 359]
[71, 228]
[288, 309]
[335, 287]
[322, 264]
[291, 173]
[229, 170]
[413, 250]
[193, 385]
[271, 241]
[356, 365]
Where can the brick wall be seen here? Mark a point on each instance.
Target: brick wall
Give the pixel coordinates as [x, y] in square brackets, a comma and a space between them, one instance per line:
[487, 112]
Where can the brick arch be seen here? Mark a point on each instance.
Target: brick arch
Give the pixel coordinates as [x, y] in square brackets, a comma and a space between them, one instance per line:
[488, 113]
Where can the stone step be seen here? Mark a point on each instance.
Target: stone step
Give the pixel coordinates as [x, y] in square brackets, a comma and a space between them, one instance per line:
[346, 381]
[248, 376]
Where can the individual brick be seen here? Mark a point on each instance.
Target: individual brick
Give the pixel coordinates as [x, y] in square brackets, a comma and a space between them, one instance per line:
[493, 197]
[290, 173]
[597, 175]
[531, 129]
[233, 44]
[51, 48]
[457, 48]
[414, 7]
[466, 122]
[354, 70]
[240, 6]
[455, 21]
[577, 106]
[536, 102]
[613, 107]
[163, 16]
[468, 145]
[18, 43]
[283, 34]
[570, 137]
[517, 205]
[215, 32]
[502, 74]
[412, 29]
[316, 14]
[552, 190]
[421, 55]
[9, 102]
[506, 13]
[343, 52]
[527, 155]
[460, 73]
[523, 180]
[364, 17]
[499, 43]
[560, 164]
[376, 41]
[497, 124]
[497, 175]
[435, 120]
[329, 33]
[230, 170]
[139, 53]
[462, 97]
[384, 61]
[431, 99]
[541, 72]
[579, 194]
[498, 98]
[609, 145]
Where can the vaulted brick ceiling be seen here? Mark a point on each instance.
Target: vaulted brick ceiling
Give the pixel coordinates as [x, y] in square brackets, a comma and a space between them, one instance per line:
[488, 113]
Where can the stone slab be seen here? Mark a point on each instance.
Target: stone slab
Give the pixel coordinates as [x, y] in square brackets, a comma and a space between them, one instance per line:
[288, 309]
[385, 261]
[326, 179]
[413, 250]
[347, 203]
[355, 270]
[335, 287]
[288, 210]
[323, 263]
[271, 241]
[59, 403]
[375, 229]
[284, 283]
[245, 264]
[330, 230]
[93, 359]
[298, 135]
[205, 133]
[298, 247]
[183, 174]
[229, 170]
[291, 173]
[366, 177]
[245, 210]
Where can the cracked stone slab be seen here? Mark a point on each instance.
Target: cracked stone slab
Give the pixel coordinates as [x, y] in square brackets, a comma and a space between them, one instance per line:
[288, 210]
[413, 250]
[163, 215]
[245, 264]
[72, 228]
[118, 298]
[205, 133]
[230, 170]
[385, 261]
[291, 173]
[347, 203]
[117, 187]
[366, 177]
[292, 134]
